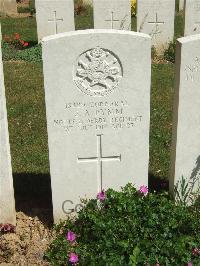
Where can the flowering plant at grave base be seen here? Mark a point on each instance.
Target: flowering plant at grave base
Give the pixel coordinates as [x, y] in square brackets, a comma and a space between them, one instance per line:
[73, 258]
[133, 7]
[144, 190]
[101, 195]
[71, 236]
[16, 41]
[7, 228]
[132, 227]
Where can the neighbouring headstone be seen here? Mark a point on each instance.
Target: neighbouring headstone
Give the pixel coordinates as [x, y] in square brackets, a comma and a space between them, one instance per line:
[54, 16]
[112, 14]
[192, 17]
[186, 126]
[156, 18]
[8, 7]
[98, 111]
[181, 5]
[7, 203]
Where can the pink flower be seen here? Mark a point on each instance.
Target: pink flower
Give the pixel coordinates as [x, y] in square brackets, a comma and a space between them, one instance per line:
[71, 236]
[196, 252]
[73, 257]
[190, 264]
[144, 190]
[101, 195]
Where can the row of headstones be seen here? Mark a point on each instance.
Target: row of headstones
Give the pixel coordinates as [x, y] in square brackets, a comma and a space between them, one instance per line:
[180, 4]
[97, 95]
[154, 17]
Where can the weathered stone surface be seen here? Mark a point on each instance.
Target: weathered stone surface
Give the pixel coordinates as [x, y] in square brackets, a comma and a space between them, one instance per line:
[186, 130]
[112, 14]
[181, 5]
[7, 204]
[98, 110]
[54, 16]
[192, 17]
[156, 18]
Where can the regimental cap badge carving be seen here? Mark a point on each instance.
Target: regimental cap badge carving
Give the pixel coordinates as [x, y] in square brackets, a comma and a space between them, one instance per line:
[97, 72]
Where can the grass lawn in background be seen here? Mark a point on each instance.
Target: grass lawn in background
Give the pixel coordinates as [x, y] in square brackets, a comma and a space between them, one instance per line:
[26, 106]
[27, 120]
[26, 27]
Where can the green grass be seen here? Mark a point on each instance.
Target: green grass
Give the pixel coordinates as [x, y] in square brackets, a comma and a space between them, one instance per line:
[26, 27]
[23, 9]
[26, 113]
[179, 27]
[32, 4]
[162, 90]
[26, 107]
[85, 20]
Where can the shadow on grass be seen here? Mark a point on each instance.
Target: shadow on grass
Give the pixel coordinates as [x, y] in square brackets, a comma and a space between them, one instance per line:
[32, 43]
[33, 195]
[157, 184]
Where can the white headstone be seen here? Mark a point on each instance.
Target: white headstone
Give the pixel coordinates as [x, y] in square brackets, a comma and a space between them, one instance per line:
[8, 7]
[54, 16]
[181, 5]
[186, 131]
[192, 17]
[156, 18]
[7, 203]
[98, 111]
[112, 14]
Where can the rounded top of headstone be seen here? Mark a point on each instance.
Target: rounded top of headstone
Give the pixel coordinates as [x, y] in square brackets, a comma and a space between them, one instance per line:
[190, 38]
[97, 31]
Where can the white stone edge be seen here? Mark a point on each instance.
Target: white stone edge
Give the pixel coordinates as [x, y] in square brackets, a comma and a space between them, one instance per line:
[190, 38]
[90, 31]
[12, 217]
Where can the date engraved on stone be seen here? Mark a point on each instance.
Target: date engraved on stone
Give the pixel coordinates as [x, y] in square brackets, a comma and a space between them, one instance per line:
[97, 72]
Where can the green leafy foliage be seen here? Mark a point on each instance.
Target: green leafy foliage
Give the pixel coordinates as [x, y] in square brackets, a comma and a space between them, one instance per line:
[184, 193]
[23, 9]
[128, 228]
[170, 52]
[32, 54]
[32, 3]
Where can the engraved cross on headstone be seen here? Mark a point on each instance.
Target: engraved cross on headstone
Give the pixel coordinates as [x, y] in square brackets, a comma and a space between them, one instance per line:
[156, 23]
[99, 159]
[112, 20]
[55, 20]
